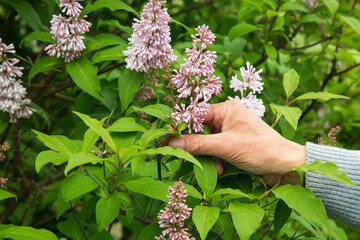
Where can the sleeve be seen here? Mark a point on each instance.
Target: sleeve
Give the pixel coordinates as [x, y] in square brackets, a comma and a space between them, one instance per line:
[341, 201]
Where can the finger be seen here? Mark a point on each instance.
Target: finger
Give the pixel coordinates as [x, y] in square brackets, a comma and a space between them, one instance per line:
[219, 166]
[198, 144]
[165, 141]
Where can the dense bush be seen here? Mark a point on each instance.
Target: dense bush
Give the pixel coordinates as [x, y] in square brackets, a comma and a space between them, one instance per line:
[87, 163]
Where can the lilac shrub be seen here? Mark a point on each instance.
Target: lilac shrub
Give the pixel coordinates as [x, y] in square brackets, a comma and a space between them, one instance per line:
[175, 213]
[250, 79]
[196, 80]
[66, 31]
[12, 93]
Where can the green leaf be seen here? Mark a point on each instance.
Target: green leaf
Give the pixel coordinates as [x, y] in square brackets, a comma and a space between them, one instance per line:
[49, 156]
[325, 168]
[97, 127]
[61, 204]
[271, 51]
[84, 74]
[41, 36]
[113, 5]
[81, 158]
[90, 139]
[45, 64]
[246, 218]
[229, 191]
[151, 135]
[204, 218]
[53, 142]
[25, 233]
[129, 83]
[150, 231]
[282, 213]
[291, 6]
[106, 211]
[5, 194]
[76, 185]
[290, 82]
[227, 227]
[207, 176]
[115, 23]
[325, 96]
[353, 23]
[303, 201]
[109, 54]
[189, 30]
[179, 153]
[126, 125]
[332, 5]
[291, 114]
[28, 13]
[240, 30]
[104, 40]
[149, 187]
[158, 110]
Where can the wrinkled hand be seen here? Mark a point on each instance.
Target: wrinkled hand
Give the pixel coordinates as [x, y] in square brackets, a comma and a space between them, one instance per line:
[244, 140]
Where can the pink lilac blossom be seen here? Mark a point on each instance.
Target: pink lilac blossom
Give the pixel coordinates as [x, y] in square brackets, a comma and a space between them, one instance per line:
[331, 137]
[12, 93]
[250, 79]
[66, 31]
[175, 213]
[195, 79]
[150, 42]
[3, 181]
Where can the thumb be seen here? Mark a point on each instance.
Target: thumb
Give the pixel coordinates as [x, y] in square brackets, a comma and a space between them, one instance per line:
[198, 144]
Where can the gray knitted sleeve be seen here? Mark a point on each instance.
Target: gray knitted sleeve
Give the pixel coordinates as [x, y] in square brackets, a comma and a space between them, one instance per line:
[341, 201]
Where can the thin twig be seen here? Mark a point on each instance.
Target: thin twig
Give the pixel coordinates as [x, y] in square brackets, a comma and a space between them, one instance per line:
[190, 8]
[77, 220]
[308, 46]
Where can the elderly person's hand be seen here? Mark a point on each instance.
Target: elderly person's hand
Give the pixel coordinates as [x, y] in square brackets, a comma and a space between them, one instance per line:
[244, 140]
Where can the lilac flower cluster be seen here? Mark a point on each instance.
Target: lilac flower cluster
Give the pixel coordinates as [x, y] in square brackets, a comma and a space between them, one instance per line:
[252, 80]
[331, 137]
[175, 213]
[4, 147]
[150, 45]
[66, 31]
[12, 93]
[195, 79]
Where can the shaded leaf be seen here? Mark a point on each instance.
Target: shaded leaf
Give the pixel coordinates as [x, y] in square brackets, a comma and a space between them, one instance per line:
[229, 191]
[241, 29]
[332, 5]
[129, 83]
[84, 74]
[41, 36]
[5, 194]
[45, 64]
[282, 213]
[104, 40]
[113, 5]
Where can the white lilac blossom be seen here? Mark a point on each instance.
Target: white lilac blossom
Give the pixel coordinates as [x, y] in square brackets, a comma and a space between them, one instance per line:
[175, 213]
[150, 45]
[251, 79]
[195, 79]
[66, 31]
[12, 93]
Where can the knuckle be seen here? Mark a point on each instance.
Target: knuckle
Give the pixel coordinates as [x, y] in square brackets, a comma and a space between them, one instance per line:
[196, 145]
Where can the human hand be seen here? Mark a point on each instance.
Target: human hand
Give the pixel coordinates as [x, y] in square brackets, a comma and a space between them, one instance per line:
[244, 140]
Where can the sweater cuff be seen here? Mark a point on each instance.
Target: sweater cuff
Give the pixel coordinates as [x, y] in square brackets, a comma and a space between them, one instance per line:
[341, 201]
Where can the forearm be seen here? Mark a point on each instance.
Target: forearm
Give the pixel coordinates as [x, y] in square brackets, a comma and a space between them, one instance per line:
[342, 202]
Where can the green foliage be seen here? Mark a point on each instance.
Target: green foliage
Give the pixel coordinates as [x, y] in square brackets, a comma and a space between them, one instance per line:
[105, 166]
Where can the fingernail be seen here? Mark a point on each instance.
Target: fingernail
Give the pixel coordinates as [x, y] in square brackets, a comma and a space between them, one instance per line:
[177, 143]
